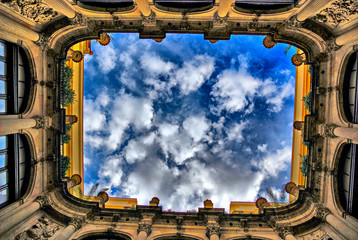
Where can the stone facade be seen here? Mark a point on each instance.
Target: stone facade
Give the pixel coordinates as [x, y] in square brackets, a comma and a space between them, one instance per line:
[326, 31]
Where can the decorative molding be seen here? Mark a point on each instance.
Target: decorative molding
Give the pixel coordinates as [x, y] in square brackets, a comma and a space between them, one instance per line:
[293, 22]
[329, 130]
[79, 20]
[43, 41]
[322, 212]
[43, 201]
[210, 230]
[33, 9]
[149, 21]
[338, 12]
[43, 229]
[283, 230]
[144, 227]
[220, 21]
[331, 46]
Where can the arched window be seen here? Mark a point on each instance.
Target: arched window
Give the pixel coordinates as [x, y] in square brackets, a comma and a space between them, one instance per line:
[347, 179]
[15, 79]
[264, 4]
[14, 167]
[190, 5]
[350, 100]
[107, 5]
[106, 237]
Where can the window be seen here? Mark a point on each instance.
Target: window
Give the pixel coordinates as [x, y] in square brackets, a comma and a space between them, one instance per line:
[350, 100]
[14, 79]
[347, 178]
[14, 167]
[186, 4]
[264, 4]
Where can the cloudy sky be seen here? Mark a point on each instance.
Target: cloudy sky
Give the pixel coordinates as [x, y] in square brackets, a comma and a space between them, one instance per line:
[186, 120]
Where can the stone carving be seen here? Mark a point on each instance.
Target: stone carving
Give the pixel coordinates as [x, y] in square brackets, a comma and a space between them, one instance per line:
[43, 41]
[76, 222]
[42, 200]
[322, 212]
[40, 122]
[319, 234]
[283, 230]
[329, 130]
[79, 20]
[339, 11]
[43, 229]
[210, 230]
[293, 22]
[144, 227]
[331, 46]
[33, 9]
[149, 21]
[220, 21]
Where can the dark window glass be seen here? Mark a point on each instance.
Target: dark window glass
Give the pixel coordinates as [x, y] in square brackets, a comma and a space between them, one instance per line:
[350, 100]
[264, 4]
[108, 3]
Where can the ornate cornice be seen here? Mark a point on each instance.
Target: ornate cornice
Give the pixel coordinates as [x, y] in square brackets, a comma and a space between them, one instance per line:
[144, 227]
[33, 9]
[338, 12]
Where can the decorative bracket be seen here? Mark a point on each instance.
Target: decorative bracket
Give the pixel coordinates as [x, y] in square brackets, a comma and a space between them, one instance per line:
[283, 230]
[210, 230]
[144, 227]
[149, 21]
[40, 122]
[220, 22]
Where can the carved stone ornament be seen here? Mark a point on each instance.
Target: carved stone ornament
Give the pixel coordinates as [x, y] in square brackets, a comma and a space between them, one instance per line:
[42, 200]
[220, 21]
[40, 122]
[33, 9]
[76, 222]
[43, 41]
[293, 22]
[79, 20]
[210, 230]
[43, 229]
[329, 130]
[149, 21]
[283, 230]
[322, 212]
[332, 46]
[339, 11]
[144, 227]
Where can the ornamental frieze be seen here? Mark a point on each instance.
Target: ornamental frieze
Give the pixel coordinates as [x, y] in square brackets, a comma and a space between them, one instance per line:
[33, 9]
[43, 229]
[338, 12]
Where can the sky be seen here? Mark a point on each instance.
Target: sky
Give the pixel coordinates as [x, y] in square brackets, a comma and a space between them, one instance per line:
[186, 120]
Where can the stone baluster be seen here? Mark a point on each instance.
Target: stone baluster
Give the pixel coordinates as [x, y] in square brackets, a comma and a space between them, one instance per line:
[144, 231]
[10, 26]
[261, 203]
[285, 232]
[102, 197]
[24, 213]
[347, 37]
[74, 225]
[213, 232]
[291, 188]
[224, 7]
[326, 215]
[74, 181]
[143, 7]
[311, 9]
[62, 7]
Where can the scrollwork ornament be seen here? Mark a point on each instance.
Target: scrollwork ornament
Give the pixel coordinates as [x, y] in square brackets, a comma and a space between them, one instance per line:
[42, 41]
[40, 122]
[329, 130]
[144, 227]
[79, 20]
[332, 46]
[149, 21]
[283, 230]
[220, 21]
[322, 212]
[338, 12]
[33, 9]
[210, 230]
[76, 222]
[293, 22]
[42, 200]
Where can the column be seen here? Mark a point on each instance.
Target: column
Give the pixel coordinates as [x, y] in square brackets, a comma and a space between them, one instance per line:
[291, 188]
[13, 27]
[143, 231]
[224, 7]
[74, 181]
[73, 226]
[344, 132]
[62, 7]
[339, 225]
[12, 124]
[102, 197]
[347, 37]
[285, 231]
[24, 213]
[311, 9]
[213, 232]
[143, 7]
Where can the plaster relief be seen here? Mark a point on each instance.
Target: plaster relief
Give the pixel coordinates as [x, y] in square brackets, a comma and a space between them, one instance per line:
[43, 229]
[338, 12]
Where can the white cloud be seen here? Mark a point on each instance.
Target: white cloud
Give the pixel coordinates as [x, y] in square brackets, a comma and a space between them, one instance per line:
[152, 63]
[86, 161]
[275, 162]
[196, 127]
[262, 147]
[235, 133]
[194, 73]
[95, 118]
[111, 172]
[106, 57]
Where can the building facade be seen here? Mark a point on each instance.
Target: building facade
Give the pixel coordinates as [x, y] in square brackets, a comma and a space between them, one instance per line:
[35, 198]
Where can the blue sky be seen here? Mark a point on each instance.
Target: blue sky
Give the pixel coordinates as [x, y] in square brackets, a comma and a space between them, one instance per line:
[186, 120]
